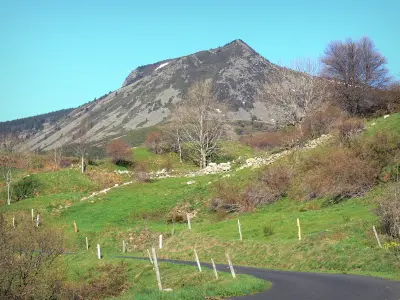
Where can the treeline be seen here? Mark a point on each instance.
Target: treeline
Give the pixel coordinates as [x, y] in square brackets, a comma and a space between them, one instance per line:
[34, 123]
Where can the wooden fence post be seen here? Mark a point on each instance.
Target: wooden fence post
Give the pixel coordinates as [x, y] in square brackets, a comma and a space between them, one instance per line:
[299, 232]
[197, 260]
[75, 226]
[123, 246]
[13, 222]
[215, 269]
[240, 230]
[231, 266]
[37, 220]
[377, 237]
[87, 244]
[160, 241]
[98, 251]
[188, 221]
[156, 268]
[148, 252]
[32, 214]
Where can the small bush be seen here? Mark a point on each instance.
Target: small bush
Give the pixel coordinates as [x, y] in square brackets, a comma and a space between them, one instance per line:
[105, 280]
[120, 153]
[349, 128]
[381, 147]
[388, 211]
[278, 177]
[25, 188]
[229, 198]
[158, 142]
[65, 162]
[321, 121]
[268, 230]
[168, 164]
[104, 179]
[141, 172]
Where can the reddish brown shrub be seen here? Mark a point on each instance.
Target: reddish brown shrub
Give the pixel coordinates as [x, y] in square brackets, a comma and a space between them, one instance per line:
[120, 152]
[278, 178]
[265, 140]
[272, 185]
[229, 198]
[348, 128]
[334, 173]
[155, 141]
[321, 121]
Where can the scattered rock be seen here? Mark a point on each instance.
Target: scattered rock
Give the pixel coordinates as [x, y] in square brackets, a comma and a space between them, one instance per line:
[318, 141]
[127, 172]
[212, 168]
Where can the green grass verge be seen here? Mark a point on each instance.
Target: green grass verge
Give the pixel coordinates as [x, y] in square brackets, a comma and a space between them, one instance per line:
[186, 282]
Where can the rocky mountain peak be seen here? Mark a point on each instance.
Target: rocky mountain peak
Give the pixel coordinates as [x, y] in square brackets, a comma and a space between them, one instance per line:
[235, 48]
[150, 92]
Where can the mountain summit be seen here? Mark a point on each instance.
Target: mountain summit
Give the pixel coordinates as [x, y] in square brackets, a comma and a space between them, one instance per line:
[149, 92]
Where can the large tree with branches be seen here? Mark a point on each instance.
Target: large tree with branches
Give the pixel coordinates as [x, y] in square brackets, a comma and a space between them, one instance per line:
[357, 68]
[200, 122]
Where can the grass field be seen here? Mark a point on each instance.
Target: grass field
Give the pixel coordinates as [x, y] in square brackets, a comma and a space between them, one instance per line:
[335, 237]
[186, 282]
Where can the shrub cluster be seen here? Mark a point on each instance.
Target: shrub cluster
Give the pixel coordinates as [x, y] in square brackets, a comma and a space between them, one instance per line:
[388, 211]
[334, 173]
[25, 272]
[346, 168]
[25, 188]
[104, 179]
[102, 281]
[270, 186]
[318, 122]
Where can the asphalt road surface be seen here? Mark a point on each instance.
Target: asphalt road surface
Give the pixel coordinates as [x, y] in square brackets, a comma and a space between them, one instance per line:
[311, 286]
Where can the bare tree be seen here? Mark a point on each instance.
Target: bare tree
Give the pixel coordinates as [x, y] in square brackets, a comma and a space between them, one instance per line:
[200, 122]
[56, 156]
[9, 144]
[355, 67]
[81, 143]
[298, 90]
[171, 135]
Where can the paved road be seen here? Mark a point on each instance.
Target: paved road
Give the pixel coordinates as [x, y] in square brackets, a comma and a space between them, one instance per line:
[312, 286]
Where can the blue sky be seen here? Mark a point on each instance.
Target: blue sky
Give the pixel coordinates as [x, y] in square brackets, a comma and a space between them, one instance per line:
[58, 54]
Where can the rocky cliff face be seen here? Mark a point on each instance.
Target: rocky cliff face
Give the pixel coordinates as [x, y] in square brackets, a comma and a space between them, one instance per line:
[149, 92]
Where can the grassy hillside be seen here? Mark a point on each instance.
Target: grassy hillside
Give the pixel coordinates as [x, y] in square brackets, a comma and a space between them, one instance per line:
[337, 236]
